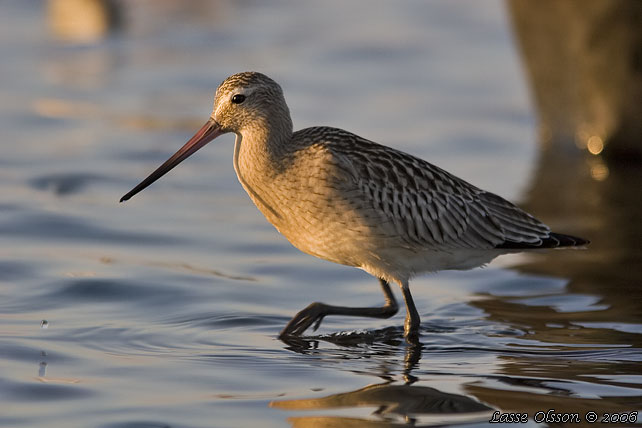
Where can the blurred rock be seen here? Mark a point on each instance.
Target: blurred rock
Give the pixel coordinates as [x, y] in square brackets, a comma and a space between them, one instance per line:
[584, 59]
[83, 21]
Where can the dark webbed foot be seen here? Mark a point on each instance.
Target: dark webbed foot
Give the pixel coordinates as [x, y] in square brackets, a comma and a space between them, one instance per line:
[314, 313]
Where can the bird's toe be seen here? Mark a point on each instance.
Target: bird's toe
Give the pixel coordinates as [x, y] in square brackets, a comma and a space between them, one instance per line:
[312, 314]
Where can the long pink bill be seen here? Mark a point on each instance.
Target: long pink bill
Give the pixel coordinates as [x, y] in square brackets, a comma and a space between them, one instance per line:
[207, 133]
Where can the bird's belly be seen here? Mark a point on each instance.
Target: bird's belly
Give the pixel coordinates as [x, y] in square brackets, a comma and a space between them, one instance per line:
[325, 240]
[401, 264]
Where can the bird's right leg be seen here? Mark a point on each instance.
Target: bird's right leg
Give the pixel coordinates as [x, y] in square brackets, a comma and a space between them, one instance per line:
[411, 325]
[315, 312]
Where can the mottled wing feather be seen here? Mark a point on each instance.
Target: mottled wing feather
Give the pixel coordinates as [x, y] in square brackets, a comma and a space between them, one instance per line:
[517, 225]
[426, 204]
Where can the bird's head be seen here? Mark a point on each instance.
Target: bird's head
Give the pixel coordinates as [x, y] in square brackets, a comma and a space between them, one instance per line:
[249, 99]
[244, 102]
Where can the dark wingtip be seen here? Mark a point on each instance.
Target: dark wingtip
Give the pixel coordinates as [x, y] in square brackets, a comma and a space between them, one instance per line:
[554, 240]
[568, 240]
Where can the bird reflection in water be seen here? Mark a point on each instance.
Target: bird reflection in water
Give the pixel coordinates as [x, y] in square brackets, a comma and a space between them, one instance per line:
[395, 405]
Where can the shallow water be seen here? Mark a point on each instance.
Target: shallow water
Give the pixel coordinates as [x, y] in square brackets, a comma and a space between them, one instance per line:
[164, 311]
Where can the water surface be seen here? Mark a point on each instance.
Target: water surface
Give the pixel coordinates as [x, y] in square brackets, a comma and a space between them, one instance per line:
[165, 311]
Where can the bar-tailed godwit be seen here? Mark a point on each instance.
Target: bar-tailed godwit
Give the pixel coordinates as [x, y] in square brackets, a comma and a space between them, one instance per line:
[351, 201]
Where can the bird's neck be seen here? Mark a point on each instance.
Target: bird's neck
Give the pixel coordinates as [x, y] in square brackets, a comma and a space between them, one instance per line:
[264, 146]
[261, 153]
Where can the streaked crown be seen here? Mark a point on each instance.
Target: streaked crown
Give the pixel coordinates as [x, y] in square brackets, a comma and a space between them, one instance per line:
[250, 99]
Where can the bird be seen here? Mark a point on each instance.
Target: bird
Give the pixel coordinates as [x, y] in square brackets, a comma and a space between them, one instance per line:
[349, 200]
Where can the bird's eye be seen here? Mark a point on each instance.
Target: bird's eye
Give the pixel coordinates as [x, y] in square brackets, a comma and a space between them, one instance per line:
[238, 98]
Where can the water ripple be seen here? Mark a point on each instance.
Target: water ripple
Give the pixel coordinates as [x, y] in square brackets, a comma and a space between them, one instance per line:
[42, 391]
[56, 227]
[68, 183]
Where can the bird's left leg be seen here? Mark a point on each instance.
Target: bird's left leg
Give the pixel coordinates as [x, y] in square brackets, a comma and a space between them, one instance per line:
[315, 312]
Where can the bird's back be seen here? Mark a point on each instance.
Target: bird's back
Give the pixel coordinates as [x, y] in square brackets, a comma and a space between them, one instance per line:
[425, 205]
